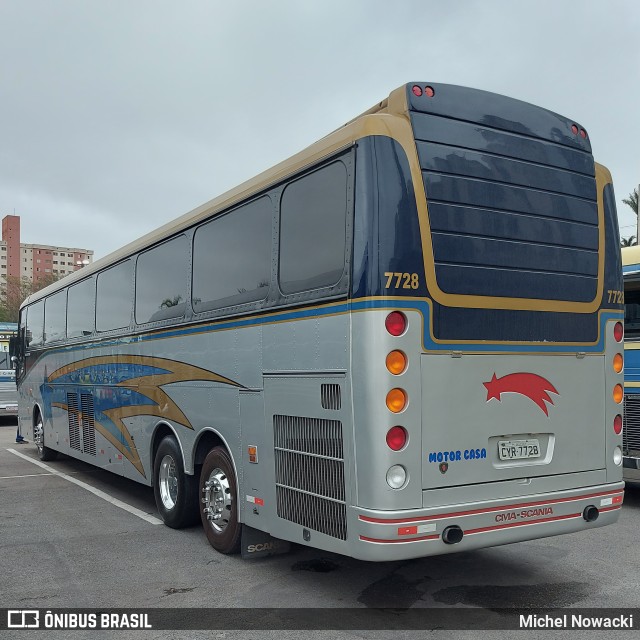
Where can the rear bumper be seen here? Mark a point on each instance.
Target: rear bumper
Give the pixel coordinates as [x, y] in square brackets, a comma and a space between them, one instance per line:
[631, 468]
[384, 535]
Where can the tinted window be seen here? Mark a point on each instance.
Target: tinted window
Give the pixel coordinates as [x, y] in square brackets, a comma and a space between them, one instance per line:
[81, 308]
[313, 229]
[632, 310]
[35, 324]
[161, 281]
[55, 316]
[232, 257]
[113, 298]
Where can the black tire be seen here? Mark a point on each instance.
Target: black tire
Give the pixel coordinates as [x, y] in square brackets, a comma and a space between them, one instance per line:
[44, 453]
[176, 492]
[221, 524]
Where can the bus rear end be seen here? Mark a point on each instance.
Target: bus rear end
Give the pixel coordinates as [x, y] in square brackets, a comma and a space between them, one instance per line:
[486, 328]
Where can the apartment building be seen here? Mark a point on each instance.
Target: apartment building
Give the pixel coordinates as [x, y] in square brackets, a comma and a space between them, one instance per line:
[36, 261]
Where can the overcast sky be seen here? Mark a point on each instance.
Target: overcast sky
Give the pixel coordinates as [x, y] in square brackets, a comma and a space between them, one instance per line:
[118, 115]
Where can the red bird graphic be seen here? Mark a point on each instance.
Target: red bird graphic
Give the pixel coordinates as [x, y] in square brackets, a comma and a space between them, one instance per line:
[533, 386]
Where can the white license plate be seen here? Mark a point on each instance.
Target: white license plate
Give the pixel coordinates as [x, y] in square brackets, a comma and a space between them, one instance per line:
[518, 449]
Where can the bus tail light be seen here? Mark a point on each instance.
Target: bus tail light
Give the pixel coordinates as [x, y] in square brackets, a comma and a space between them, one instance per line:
[618, 362]
[396, 438]
[618, 394]
[396, 323]
[617, 424]
[396, 362]
[396, 476]
[397, 400]
[618, 331]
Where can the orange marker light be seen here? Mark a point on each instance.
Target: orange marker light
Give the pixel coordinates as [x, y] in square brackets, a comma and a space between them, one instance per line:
[618, 393]
[396, 400]
[396, 362]
[618, 362]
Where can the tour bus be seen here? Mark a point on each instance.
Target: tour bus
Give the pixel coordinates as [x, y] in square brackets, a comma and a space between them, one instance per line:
[402, 341]
[631, 434]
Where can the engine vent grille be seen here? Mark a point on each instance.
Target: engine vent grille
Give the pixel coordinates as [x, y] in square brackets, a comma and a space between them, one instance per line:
[81, 415]
[310, 473]
[631, 432]
[330, 397]
[74, 420]
[88, 424]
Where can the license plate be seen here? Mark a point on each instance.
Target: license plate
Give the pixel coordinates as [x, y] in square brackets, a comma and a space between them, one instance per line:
[518, 449]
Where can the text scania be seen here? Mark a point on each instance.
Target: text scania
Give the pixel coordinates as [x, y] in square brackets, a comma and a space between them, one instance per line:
[525, 514]
[453, 456]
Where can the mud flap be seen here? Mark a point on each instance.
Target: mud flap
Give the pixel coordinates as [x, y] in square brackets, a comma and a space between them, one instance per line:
[257, 544]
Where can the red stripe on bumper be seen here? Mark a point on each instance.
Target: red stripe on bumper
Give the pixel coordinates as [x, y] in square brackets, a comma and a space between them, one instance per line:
[489, 509]
[434, 537]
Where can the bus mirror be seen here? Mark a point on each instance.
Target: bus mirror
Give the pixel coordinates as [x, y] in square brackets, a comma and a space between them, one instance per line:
[13, 344]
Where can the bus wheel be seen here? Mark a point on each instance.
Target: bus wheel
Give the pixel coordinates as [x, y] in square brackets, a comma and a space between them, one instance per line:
[218, 505]
[44, 453]
[175, 491]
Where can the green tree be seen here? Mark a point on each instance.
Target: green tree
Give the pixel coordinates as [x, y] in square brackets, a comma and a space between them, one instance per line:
[628, 242]
[14, 290]
[632, 201]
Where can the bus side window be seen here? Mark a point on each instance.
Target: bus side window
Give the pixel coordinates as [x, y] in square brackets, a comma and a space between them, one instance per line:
[35, 325]
[313, 214]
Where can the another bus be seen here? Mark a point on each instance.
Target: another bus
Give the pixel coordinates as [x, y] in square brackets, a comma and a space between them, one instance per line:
[631, 434]
[400, 342]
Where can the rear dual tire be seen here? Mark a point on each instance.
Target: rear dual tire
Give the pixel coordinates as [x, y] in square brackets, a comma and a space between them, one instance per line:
[218, 502]
[181, 498]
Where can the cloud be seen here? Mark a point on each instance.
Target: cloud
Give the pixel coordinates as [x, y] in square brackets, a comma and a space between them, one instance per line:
[117, 117]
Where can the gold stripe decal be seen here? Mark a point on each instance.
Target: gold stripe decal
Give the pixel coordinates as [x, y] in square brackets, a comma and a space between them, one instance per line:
[124, 386]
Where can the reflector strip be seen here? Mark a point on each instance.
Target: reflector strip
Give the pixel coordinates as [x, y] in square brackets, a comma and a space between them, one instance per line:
[470, 512]
[407, 531]
[421, 528]
[366, 539]
[254, 500]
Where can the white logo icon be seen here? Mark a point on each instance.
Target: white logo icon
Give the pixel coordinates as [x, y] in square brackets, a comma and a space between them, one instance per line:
[23, 619]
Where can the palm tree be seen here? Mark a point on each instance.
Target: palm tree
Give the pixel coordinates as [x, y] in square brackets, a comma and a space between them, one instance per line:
[628, 242]
[632, 201]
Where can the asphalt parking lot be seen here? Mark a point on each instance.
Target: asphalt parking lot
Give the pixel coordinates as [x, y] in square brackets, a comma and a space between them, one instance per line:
[62, 545]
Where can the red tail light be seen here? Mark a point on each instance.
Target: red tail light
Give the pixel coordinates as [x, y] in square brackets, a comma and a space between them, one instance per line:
[417, 91]
[618, 331]
[617, 425]
[396, 438]
[396, 323]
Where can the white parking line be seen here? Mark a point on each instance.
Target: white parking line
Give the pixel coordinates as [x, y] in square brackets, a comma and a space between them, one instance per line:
[101, 494]
[29, 475]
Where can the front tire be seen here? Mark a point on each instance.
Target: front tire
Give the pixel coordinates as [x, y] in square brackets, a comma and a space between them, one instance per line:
[174, 490]
[44, 453]
[219, 504]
